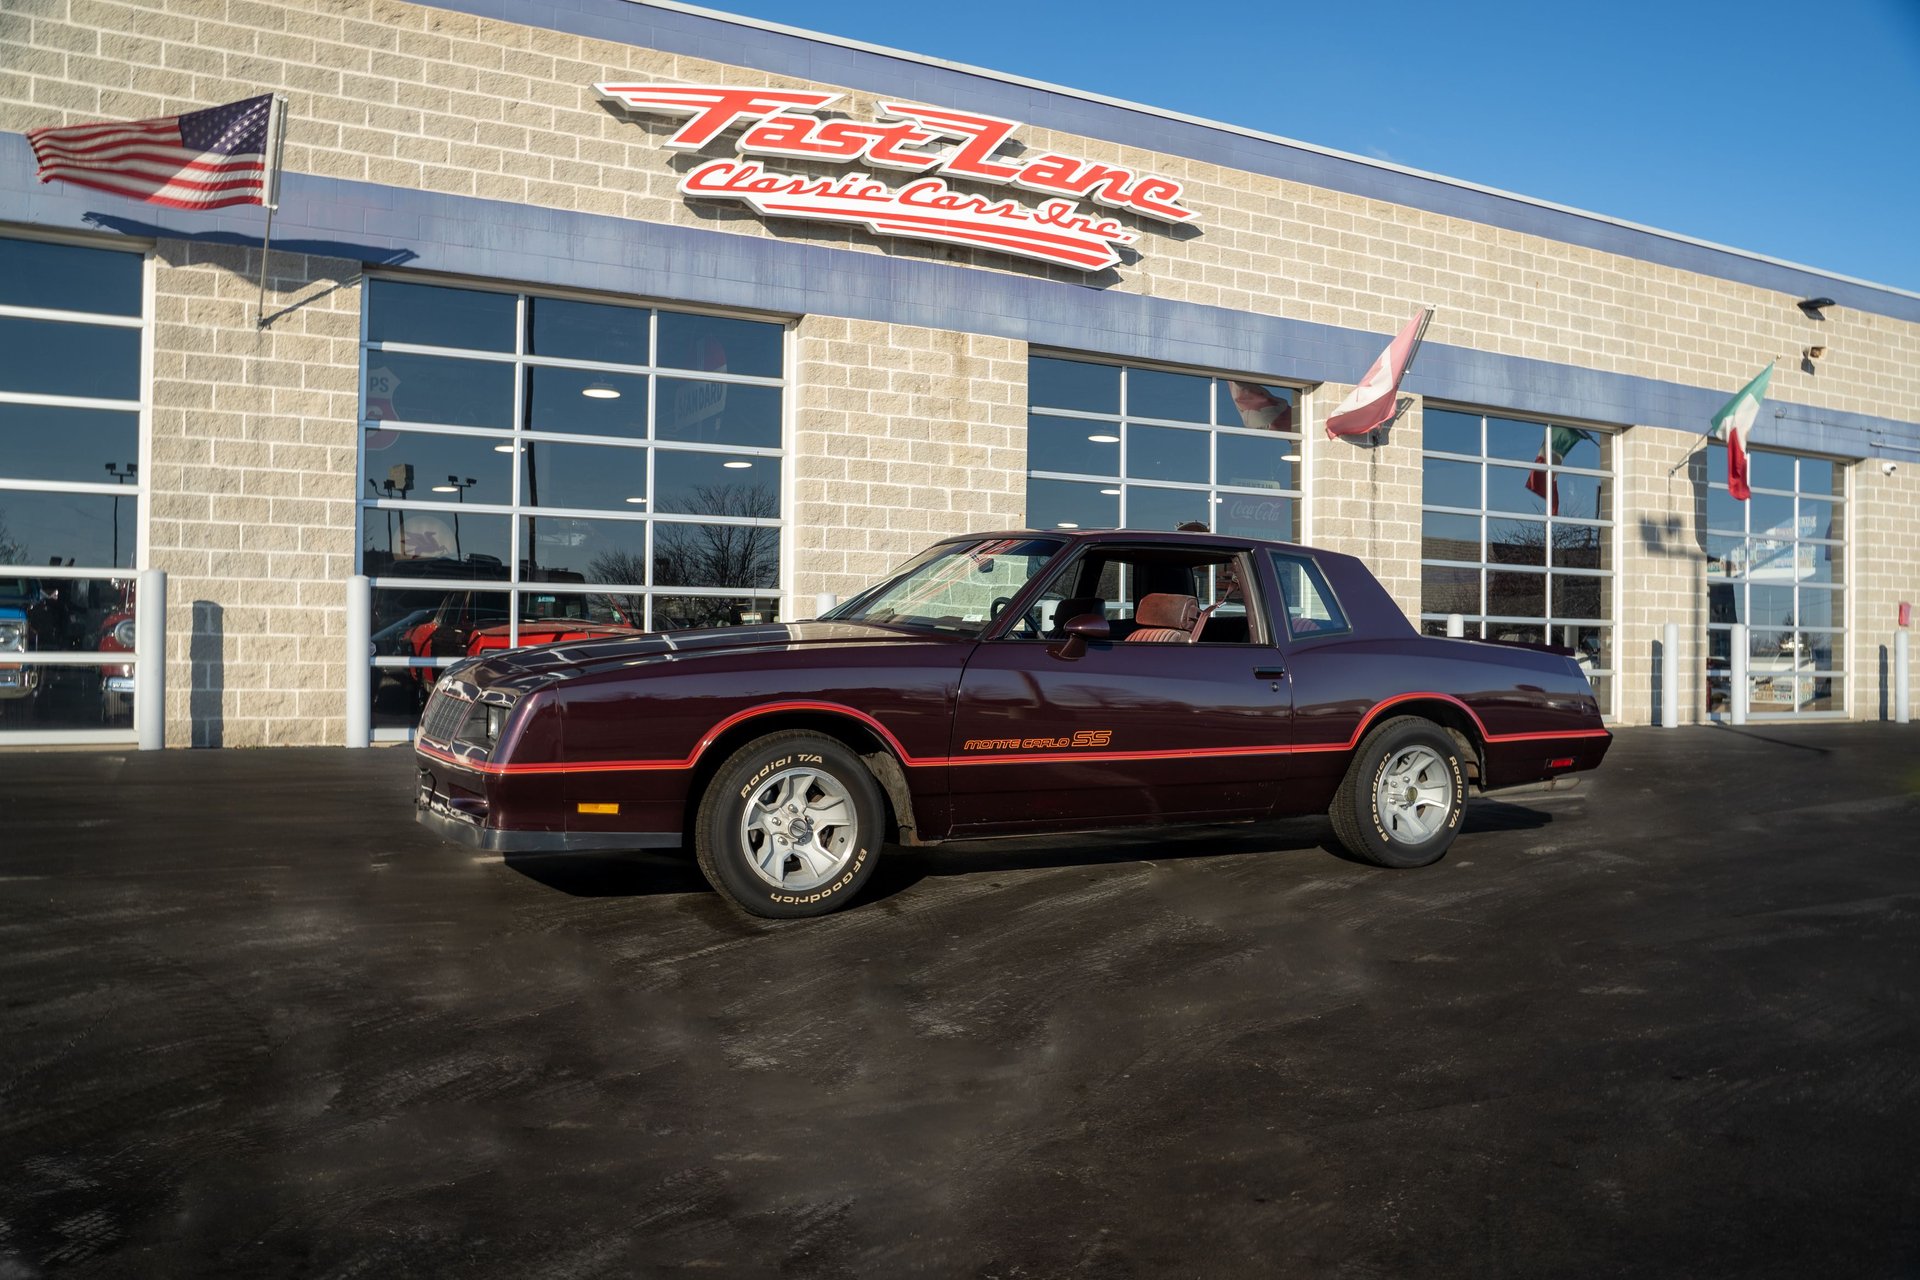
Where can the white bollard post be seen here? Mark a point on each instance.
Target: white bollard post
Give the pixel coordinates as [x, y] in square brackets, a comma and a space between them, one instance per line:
[824, 601]
[359, 655]
[1456, 626]
[1669, 676]
[150, 666]
[1902, 687]
[1737, 675]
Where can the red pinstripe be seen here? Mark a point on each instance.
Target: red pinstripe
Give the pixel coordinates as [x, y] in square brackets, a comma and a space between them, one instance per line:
[1011, 757]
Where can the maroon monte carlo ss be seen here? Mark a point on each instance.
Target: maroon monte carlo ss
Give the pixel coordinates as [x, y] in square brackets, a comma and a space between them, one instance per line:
[1003, 684]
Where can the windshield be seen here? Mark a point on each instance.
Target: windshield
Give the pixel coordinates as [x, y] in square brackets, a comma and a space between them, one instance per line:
[956, 586]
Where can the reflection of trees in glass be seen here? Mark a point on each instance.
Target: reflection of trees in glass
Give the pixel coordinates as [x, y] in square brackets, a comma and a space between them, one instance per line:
[621, 568]
[1575, 546]
[11, 552]
[700, 555]
[685, 613]
[720, 555]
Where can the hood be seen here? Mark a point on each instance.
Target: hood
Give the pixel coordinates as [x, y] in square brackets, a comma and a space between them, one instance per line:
[573, 659]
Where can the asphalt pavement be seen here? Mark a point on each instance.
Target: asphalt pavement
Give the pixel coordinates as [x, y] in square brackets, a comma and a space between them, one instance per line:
[257, 1022]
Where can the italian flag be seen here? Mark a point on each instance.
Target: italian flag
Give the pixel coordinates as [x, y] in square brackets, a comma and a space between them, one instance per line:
[1560, 442]
[1732, 424]
[1373, 401]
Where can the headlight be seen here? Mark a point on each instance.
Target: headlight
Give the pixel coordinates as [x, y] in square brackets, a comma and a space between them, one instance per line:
[123, 633]
[12, 636]
[496, 722]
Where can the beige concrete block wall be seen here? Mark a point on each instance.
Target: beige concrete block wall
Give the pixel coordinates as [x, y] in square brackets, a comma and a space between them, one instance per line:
[1660, 576]
[902, 435]
[251, 491]
[414, 96]
[1884, 551]
[1366, 494]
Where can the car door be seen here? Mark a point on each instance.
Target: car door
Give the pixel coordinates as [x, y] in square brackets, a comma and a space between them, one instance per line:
[1125, 731]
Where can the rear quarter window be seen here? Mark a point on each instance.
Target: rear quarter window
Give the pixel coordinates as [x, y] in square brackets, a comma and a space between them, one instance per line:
[1307, 605]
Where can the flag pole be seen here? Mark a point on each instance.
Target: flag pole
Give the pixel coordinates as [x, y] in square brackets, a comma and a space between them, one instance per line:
[276, 149]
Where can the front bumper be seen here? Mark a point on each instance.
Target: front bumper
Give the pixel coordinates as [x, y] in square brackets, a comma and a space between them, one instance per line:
[451, 820]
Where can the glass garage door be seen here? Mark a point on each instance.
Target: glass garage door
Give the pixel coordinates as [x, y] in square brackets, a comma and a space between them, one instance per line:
[537, 468]
[1777, 562]
[72, 494]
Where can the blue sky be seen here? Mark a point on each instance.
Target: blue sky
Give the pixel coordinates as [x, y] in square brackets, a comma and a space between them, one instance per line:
[1788, 129]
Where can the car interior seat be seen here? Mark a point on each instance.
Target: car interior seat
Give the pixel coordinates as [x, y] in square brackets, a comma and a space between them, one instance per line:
[1165, 619]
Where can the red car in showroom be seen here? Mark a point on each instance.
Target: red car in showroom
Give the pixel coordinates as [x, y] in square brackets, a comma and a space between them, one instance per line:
[997, 685]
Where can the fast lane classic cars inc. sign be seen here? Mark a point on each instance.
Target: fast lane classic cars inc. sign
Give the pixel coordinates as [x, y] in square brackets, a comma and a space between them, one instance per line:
[934, 143]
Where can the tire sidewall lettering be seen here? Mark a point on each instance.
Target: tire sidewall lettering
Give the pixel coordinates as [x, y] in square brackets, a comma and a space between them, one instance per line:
[766, 771]
[821, 895]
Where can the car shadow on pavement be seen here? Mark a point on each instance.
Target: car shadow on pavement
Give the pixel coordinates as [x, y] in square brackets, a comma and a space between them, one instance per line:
[611, 875]
[654, 874]
[903, 868]
[1502, 815]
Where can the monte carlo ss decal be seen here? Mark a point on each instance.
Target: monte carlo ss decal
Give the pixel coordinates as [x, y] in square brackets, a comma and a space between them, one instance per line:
[907, 139]
[1083, 738]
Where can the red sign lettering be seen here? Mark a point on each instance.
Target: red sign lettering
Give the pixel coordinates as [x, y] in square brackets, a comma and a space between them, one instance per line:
[937, 142]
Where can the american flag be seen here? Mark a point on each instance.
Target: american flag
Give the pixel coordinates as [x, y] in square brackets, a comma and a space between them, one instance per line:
[199, 160]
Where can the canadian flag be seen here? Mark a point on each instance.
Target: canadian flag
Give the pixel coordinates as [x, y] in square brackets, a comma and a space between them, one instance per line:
[1731, 426]
[1372, 402]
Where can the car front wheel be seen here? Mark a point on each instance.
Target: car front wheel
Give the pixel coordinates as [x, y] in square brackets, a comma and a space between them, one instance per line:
[790, 826]
[1401, 802]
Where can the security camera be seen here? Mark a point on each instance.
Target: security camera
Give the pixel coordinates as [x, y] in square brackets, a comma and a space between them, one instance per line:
[1888, 468]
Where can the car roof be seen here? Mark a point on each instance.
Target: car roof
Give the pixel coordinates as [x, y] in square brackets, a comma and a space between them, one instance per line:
[1170, 537]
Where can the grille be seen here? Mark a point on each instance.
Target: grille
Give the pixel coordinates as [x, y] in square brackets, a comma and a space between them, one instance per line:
[445, 716]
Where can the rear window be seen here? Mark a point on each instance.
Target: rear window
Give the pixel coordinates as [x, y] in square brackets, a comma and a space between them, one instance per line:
[1306, 600]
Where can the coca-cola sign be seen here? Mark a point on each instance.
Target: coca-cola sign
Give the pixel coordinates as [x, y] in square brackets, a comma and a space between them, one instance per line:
[934, 143]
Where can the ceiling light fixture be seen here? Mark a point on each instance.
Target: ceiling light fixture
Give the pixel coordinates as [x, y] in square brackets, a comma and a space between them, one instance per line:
[637, 501]
[503, 448]
[735, 464]
[600, 391]
[446, 488]
[1111, 493]
[1066, 524]
[1289, 457]
[1104, 439]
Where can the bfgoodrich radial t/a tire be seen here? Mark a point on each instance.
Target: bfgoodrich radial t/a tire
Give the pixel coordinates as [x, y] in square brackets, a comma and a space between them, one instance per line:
[1401, 802]
[790, 826]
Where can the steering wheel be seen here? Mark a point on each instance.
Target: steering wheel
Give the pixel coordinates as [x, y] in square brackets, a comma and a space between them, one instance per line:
[1030, 619]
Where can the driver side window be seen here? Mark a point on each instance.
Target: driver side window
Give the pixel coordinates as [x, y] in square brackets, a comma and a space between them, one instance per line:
[1113, 584]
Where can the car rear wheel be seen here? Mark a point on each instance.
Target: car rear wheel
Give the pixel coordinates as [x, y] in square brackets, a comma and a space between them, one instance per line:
[1402, 799]
[790, 826]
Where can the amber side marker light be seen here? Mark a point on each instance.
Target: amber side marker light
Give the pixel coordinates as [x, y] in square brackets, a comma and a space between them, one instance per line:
[599, 808]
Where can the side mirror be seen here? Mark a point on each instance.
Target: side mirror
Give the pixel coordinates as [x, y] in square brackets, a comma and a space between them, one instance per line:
[1080, 629]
